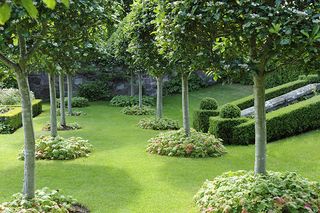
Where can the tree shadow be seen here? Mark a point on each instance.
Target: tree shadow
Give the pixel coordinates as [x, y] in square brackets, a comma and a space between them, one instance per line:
[100, 188]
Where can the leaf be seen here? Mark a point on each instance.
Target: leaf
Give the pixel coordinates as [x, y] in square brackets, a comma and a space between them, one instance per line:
[305, 33]
[5, 13]
[50, 3]
[66, 3]
[31, 9]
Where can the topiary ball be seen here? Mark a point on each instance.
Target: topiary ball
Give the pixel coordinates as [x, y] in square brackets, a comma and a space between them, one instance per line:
[208, 104]
[230, 111]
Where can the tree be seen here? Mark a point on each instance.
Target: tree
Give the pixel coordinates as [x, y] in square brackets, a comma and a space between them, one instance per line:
[143, 47]
[20, 38]
[185, 42]
[117, 46]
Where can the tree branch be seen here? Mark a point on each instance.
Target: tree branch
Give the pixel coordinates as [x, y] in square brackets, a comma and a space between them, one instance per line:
[7, 61]
[37, 42]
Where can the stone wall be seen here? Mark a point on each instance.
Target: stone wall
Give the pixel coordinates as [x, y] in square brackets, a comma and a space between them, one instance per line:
[40, 86]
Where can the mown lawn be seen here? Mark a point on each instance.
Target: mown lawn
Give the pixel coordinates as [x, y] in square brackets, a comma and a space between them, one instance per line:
[120, 176]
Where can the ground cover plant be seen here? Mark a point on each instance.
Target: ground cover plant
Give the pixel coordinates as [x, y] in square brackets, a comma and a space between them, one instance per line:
[136, 110]
[159, 124]
[124, 101]
[242, 191]
[45, 200]
[177, 144]
[69, 126]
[59, 148]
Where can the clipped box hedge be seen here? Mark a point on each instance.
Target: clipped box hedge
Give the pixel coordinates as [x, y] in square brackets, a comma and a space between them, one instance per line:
[248, 101]
[288, 121]
[12, 120]
[223, 127]
[201, 119]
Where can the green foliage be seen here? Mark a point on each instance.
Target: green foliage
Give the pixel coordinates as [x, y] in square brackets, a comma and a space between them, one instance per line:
[248, 101]
[11, 97]
[58, 148]
[124, 101]
[176, 144]
[223, 128]
[230, 111]
[173, 86]
[7, 79]
[158, 124]
[78, 102]
[45, 200]
[136, 110]
[208, 104]
[69, 126]
[244, 191]
[4, 109]
[94, 91]
[291, 120]
[201, 119]
[12, 120]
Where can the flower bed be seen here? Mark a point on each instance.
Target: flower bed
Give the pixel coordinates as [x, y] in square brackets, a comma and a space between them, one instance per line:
[175, 143]
[245, 192]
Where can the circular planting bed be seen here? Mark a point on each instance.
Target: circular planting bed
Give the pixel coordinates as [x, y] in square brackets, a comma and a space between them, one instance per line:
[197, 145]
[244, 192]
[158, 124]
[136, 110]
[58, 148]
[69, 126]
[45, 201]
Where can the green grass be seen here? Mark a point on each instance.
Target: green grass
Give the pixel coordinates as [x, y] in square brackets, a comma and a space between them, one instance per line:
[120, 176]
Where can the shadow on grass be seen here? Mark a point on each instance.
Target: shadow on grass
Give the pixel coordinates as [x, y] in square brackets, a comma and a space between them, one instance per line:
[100, 188]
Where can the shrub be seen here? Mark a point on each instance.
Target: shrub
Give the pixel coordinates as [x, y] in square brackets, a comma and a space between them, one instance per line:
[158, 124]
[4, 109]
[78, 102]
[58, 148]
[248, 101]
[230, 111]
[136, 110]
[244, 191]
[94, 91]
[12, 120]
[124, 101]
[11, 97]
[175, 143]
[45, 201]
[223, 127]
[208, 104]
[201, 119]
[291, 120]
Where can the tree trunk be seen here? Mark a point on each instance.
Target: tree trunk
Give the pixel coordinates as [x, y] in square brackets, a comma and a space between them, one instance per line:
[29, 140]
[260, 124]
[159, 97]
[140, 90]
[62, 103]
[53, 106]
[131, 84]
[185, 104]
[69, 79]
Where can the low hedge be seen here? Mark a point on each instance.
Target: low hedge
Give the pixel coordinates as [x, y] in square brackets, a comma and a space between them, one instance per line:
[223, 127]
[288, 121]
[201, 119]
[12, 120]
[248, 101]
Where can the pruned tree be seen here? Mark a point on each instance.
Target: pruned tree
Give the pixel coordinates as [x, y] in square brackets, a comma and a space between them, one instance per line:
[142, 45]
[24, 30]
[185, 41]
